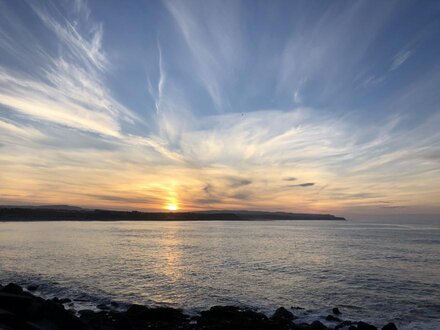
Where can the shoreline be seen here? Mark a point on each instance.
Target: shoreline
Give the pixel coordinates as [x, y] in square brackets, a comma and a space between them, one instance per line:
[20, 308]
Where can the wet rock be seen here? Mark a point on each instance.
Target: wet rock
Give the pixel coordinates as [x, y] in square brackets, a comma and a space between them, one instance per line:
[296, 307]
[232, 317]
[365, 326]
[122, 323]
[103, 307]
[332, 318]
[12, 288]
[28, 308]
[35, 310]
[114, 304]
[282, 319]
[343, 324]
[389, 326]
[61, 317]
[155, 314]
[283, 314]
[336, 311]
[14, 303]
[317, 325]
[21, 310]
[98, 320]
[9, 320]
[33, 287]
[85, 312]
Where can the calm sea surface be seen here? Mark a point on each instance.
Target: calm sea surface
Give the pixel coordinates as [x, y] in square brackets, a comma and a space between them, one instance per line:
[373, 271]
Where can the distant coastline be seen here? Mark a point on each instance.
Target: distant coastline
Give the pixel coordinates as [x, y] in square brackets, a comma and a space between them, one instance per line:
[72, 213]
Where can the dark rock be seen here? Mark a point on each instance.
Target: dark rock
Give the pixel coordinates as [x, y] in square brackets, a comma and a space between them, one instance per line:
[232, 317]
[12, 288]
[343, 324]
[61, 317]
[21, 310]
[9, 319]
[282, 319]
[40, 325]
[316, 325]
[60, 301]
[336, 311]
[122, 323]
[5, 327]
[155, 314]
[98, 320]
[365, 326]
[15, 303]
[332, 318]
[389, 326]
[295, 307]
[85, 312]
[35, 309]
[33, 287]
[283, 314]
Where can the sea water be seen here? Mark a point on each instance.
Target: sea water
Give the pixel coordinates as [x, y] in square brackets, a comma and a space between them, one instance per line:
[373, 271]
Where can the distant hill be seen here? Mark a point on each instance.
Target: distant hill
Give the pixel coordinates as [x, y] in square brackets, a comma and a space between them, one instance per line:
[66, 212]
[260, 215]
[52, 207]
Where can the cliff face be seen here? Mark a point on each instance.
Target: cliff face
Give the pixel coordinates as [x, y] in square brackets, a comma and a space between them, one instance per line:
[58, 214]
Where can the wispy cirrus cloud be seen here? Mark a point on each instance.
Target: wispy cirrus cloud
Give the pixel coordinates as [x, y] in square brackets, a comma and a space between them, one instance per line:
[67, 88]
[400, 58]
[212, 34]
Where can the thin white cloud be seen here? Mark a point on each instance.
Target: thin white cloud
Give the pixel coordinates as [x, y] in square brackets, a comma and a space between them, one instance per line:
[14, 130]
[88, 50]
[400, 58]
[161, 82]
[214, 40]
[67, 88]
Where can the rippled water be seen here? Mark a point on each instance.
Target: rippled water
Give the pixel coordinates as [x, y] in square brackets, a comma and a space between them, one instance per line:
[374, 272]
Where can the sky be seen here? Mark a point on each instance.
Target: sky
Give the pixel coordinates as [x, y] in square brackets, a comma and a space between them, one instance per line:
[302, 106]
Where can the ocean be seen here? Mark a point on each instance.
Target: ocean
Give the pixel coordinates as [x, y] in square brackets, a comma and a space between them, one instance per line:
[373, 271]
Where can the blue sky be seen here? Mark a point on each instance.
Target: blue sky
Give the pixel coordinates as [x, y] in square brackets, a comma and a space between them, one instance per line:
[323, 106]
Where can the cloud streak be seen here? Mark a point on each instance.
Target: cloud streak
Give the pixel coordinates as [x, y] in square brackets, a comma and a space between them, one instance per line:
[400, 58]
[67, 89]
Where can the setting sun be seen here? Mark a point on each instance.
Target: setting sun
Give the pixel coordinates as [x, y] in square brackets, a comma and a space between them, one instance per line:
[172, 207]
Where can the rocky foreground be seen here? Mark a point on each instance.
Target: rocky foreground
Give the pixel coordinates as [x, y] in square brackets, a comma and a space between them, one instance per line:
[20, 309]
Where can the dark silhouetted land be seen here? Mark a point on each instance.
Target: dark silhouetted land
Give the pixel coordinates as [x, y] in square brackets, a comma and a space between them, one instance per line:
[65, 212]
